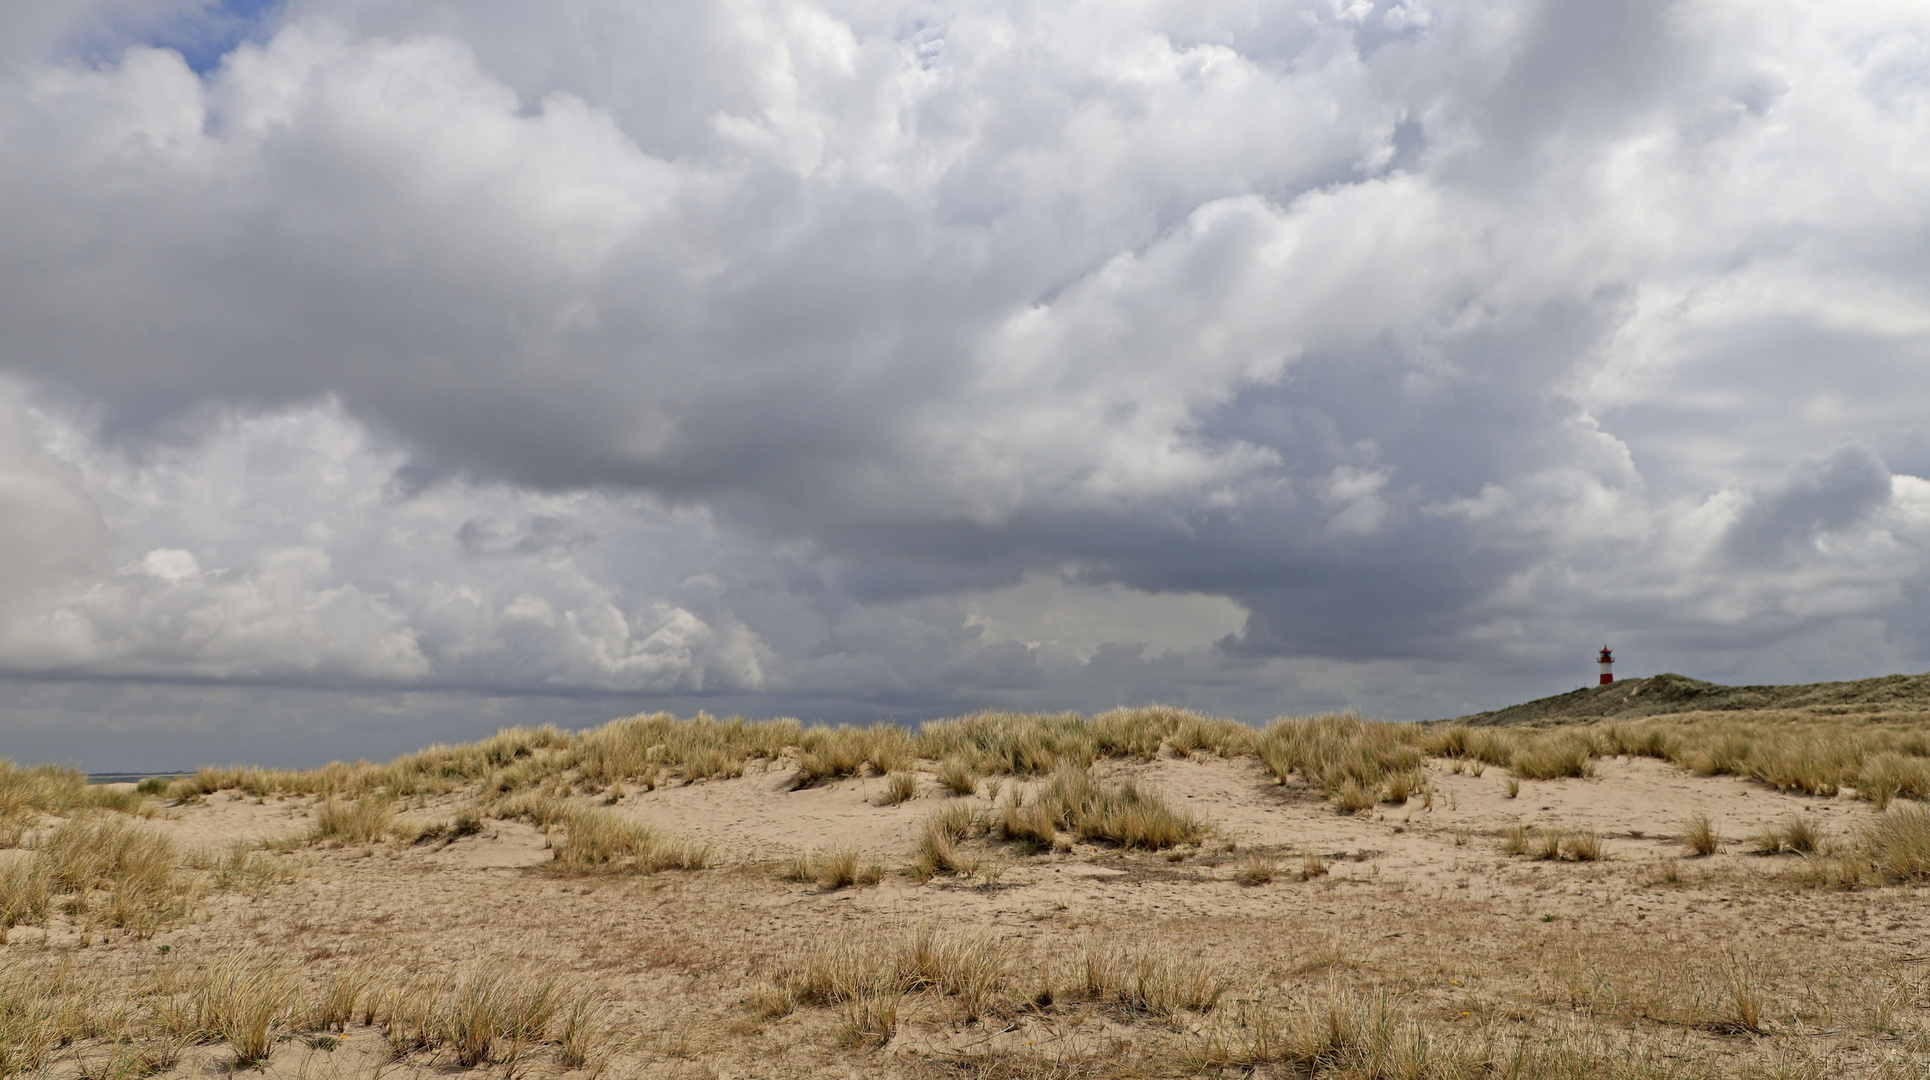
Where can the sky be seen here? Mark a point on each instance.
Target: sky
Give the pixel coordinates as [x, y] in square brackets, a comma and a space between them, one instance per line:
[379, 372]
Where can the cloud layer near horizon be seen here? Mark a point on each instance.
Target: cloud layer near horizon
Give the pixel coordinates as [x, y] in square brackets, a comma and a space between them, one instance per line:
[857, 358]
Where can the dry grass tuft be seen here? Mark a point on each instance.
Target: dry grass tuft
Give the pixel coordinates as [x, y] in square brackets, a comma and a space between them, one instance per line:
[1797, 834]
[837, 868]
[1553, 756]
[133, 865]
[600, 842]
[345, 990]
[938, 839]
[1157, 981]
[495, 1011]
[1123, 814]
[26, 891]
[60, 790]
[900, 787]
[1022, 744]
[588, 1040]
[1563, 845]
[1353, 762]
[1897, 844]
[1699, 835]
[365, 820]
[957, 776]
[1257, 869]
[244, 1001]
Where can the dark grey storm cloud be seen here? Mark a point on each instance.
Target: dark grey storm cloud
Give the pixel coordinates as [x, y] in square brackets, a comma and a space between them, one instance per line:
[887, 359]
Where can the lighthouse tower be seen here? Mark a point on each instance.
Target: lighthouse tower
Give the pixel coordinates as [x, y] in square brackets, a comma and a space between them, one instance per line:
[1608, 666]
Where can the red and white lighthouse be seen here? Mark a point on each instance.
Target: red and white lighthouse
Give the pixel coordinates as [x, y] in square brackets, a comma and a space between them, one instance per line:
[1608, 666]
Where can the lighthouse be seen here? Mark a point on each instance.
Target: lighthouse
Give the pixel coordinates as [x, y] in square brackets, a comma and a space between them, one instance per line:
[1608, 666]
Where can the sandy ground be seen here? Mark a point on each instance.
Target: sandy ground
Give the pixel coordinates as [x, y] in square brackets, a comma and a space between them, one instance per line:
[1418, 901]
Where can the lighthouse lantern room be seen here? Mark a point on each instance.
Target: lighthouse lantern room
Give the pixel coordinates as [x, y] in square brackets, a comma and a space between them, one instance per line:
[1608, 666]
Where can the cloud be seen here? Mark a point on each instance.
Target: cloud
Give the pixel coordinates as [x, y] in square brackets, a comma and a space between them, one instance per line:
[858, 358]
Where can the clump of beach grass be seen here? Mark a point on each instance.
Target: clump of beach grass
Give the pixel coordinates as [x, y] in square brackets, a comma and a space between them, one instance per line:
[1699, 835]
[957, 776]
[595, 841]
[1118, 813]
[1257, 869]
[244, 1000]
[365, 820]
[900, 786]
[1354, 763]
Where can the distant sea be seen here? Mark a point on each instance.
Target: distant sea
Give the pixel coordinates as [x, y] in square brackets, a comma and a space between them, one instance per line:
[127, 777]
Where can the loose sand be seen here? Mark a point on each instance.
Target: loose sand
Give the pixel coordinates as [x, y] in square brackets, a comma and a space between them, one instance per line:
[1418, 902]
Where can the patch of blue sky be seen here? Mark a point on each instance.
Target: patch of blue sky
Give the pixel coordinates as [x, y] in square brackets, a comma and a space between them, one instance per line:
[213, 32]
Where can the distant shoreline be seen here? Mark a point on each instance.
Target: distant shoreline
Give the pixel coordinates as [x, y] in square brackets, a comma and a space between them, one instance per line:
[131, 777]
